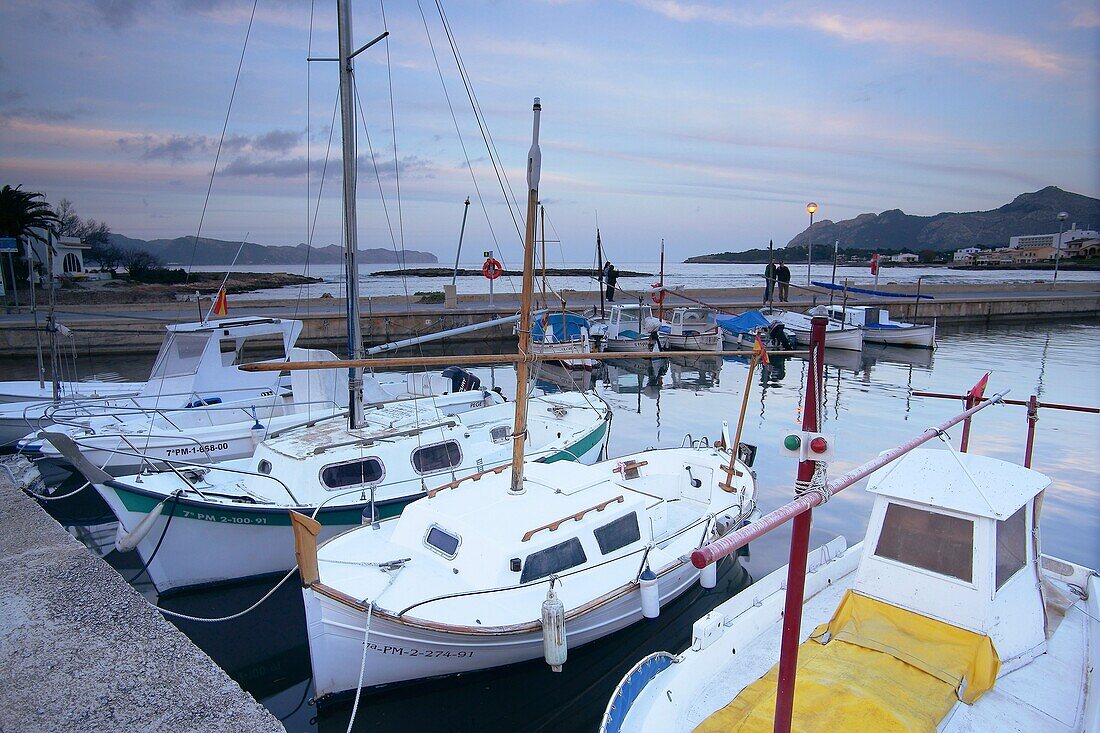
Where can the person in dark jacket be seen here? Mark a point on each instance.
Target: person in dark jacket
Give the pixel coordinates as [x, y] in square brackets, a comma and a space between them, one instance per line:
[783, 275]
[610, 276]
[769, 280]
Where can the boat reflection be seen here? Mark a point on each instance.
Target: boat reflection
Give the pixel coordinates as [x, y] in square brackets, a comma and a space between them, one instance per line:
[694, 372]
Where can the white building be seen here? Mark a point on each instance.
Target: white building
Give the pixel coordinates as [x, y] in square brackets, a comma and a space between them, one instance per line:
[963, 255]
[906, 257]
[68, 256]
[1051, 240]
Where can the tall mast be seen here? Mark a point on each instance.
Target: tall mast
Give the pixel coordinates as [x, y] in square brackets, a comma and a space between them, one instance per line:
[599, 264]
[347, 123]
[534, 171]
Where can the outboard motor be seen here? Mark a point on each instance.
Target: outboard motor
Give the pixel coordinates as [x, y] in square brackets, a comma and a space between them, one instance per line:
[461, 380]
[777, 335]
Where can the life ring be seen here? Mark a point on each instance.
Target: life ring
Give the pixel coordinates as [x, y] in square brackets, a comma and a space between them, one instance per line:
[492, 269]
[657, 296]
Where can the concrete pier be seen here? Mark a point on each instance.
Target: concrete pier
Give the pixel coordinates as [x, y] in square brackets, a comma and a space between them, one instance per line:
[133, 329]
[80, 650]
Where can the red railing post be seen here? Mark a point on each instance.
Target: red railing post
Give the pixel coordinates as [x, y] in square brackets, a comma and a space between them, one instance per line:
[800, 544]
[1032, 419]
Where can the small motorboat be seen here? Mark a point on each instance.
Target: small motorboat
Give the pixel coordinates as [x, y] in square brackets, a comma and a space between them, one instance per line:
[691, 329]
[627, 328]
[557, 333]
[797, 326]
[878, 328]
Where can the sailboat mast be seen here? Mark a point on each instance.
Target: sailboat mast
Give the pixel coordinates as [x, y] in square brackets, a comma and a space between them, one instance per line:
[599, 264]
[347, 122]
[534, 171]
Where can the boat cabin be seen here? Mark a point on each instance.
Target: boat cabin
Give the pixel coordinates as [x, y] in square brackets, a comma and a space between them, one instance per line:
[630, 321]
[954, 537]
[859, 315]
[689, 322]
[202, 358]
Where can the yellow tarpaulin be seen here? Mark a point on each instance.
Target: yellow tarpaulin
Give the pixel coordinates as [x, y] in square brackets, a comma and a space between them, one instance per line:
[883, 669]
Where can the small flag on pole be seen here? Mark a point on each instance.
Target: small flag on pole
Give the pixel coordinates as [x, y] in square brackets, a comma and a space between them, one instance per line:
[221, 307]
[874, 264]
[974, 396]
[759, 350]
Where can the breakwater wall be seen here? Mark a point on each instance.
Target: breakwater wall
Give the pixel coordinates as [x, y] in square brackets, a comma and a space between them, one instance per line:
[112, 329]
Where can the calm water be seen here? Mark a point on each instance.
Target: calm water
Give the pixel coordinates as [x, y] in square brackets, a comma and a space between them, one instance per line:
[691, 276]
[869, 407]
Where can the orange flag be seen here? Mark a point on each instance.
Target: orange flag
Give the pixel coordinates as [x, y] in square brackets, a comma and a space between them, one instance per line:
[974, 396]
[759, 350]
[221, 307]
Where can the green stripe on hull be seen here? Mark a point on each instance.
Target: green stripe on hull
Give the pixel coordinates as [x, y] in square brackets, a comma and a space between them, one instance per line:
[142, 504]
[581, 447]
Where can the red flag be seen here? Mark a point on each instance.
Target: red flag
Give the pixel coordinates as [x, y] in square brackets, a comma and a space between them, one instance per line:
[974, 396]
[221, 307]
[874, 263]
[759, 350]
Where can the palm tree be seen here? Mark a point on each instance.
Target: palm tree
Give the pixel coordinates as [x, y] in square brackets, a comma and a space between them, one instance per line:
[25, 216]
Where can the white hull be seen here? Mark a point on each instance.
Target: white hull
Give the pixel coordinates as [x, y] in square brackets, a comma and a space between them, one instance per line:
[701, 342]
[29, 391]
[564, 349]
[399, 652]
[922, 336]
[625, 344]
[847, 338]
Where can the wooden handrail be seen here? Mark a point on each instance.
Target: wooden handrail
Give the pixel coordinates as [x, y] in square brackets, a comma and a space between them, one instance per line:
[575, 517]
[472, 476]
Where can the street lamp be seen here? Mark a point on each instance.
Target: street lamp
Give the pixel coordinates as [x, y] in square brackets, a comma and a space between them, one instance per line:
[1062, 216]
[810, 208]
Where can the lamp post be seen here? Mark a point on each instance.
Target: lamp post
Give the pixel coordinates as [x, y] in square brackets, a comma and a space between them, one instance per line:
[1062, 216]
[810, 208]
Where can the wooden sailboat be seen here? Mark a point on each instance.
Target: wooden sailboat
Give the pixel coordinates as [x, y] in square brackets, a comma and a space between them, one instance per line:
[510, 564]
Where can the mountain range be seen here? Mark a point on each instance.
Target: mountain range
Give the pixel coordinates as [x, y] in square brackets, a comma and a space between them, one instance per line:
[1028, 213]
[179, 251]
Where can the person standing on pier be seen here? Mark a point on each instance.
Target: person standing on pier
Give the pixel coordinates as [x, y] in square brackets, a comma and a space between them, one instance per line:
[769, 280]
[783, 275]
[610, 275]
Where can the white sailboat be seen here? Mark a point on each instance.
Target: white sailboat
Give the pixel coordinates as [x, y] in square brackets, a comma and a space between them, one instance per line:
[197, 524]
[947, 617]
[459, 581]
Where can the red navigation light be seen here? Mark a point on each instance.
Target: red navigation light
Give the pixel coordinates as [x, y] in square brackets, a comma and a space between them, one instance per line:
[819, 445]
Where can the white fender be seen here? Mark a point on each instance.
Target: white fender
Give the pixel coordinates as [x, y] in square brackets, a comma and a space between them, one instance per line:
[130, 540]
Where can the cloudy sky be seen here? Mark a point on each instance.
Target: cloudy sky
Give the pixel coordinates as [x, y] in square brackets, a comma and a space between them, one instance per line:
[709, 124]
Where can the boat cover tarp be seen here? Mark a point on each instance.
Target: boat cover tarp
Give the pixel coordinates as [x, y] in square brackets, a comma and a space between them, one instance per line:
[867, 291]
[575, 326]
[873, 667]
[742, 323]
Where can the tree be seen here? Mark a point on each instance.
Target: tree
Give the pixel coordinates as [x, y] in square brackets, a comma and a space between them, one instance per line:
[107, 255]
[139, 262]
[25, 216]
[68, 223]
[929, 255]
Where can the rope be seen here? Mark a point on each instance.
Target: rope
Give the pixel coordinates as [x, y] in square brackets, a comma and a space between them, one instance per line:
[46, 497]
[362, 668]
[251, 608]
[818, 483]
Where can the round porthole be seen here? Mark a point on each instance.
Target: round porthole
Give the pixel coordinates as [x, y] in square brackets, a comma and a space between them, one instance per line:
[264, 467]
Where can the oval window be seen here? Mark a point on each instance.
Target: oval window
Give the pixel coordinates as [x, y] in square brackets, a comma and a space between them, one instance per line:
[437, 457]
[352, 473]
[264, 467]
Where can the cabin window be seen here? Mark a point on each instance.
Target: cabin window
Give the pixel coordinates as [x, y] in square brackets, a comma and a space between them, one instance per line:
[437, 457]
[555, 559]
[249, 349]
[264, 467]
[180, 356]
[928, 540]
[1011, 546]
[442, 541]
[500, 433]
[352, 473]
[618, 534]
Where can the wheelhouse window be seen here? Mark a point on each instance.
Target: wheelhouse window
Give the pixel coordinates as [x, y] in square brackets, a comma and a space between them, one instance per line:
[1011, 545]
[352, 473]
[928, 540]
[442, 541]
[437, 457]
[618, 533]
[248, 349]
[555, 559]
[500, 433]
[180, 356]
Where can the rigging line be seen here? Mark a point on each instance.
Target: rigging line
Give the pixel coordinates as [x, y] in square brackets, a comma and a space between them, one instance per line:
[309, 75]
[458, 130]
[221, 140]
[396, 165]
[381, 193]
[463, 74]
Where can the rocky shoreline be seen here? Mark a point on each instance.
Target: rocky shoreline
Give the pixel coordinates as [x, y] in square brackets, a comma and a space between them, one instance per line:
[122, 290]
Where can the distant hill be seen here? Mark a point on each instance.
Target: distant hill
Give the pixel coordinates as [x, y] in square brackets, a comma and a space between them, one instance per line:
[1029, 213]
[178, 251]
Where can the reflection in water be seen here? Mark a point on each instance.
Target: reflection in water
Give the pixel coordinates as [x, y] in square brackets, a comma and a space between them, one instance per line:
[871, 408]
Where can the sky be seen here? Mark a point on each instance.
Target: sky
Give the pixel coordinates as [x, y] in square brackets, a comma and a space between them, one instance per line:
[707, 124]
